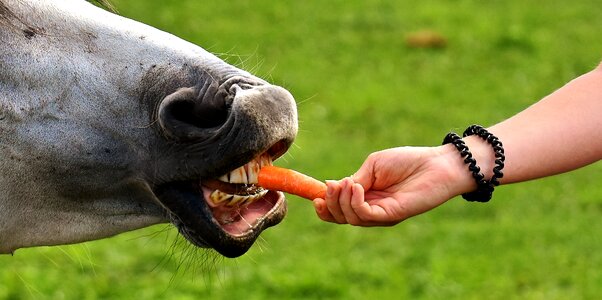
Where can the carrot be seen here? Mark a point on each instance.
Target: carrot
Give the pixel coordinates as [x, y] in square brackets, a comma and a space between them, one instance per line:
[292, 182]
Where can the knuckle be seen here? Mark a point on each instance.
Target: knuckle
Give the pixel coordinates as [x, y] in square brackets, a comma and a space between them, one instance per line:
[372, 157]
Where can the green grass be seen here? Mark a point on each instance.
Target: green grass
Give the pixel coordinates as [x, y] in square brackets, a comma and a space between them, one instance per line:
[360, 89]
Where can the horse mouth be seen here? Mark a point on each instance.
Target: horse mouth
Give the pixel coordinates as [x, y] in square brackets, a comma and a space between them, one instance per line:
[226, 213]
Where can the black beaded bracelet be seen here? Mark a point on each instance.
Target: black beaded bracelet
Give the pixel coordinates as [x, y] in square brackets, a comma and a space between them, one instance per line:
[485, 188]
[497, 146]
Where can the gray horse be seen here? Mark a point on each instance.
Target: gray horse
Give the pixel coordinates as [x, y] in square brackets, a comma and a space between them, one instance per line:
[108, 125]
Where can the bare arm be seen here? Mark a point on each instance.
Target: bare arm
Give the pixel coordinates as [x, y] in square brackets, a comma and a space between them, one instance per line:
[562, 132]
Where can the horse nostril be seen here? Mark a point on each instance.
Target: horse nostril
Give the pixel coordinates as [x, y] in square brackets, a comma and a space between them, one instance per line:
[279, 148]
[182, 115]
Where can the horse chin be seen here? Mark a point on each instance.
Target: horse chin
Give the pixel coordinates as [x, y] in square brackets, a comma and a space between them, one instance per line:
[229, 229]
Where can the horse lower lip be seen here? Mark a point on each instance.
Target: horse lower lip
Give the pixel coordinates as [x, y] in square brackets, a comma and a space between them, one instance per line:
[182, 200]
[196, 222]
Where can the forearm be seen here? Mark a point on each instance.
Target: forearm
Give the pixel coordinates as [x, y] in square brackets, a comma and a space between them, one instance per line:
[562, 132]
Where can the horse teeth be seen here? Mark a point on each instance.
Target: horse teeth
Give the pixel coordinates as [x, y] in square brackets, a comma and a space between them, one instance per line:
[218, 196]
[251, 199]
[237, 199]
[247, 173]
[256, 197]
[239, 176]
[265, 160]
[253, 171]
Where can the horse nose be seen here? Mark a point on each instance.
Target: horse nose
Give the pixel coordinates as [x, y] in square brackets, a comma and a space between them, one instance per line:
[197, 113]
[269, 111]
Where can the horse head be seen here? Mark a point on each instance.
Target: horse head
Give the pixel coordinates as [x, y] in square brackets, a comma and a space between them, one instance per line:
[108, 125]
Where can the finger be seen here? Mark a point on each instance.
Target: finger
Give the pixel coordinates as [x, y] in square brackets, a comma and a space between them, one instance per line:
[322, 211]
[377, 213]
[357, 196]
[372, 213]
[333, 191]
[345, 198]
[368, 215]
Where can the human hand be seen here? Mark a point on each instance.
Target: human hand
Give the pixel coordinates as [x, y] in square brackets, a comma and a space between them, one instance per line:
[395, 184]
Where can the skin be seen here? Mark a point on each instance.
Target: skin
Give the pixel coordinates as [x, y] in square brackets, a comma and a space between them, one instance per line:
[108, 125]
[558, 134]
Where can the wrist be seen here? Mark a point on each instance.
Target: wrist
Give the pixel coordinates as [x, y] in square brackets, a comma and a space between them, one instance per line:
[482, 153]
[461, 179]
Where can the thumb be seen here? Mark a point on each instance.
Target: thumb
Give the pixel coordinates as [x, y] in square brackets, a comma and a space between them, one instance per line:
[365, 175]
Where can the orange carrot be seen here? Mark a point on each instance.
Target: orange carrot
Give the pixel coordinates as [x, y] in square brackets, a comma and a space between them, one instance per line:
[292, 182]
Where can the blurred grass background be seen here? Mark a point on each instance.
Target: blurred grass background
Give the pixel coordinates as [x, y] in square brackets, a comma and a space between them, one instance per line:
[360, 88]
